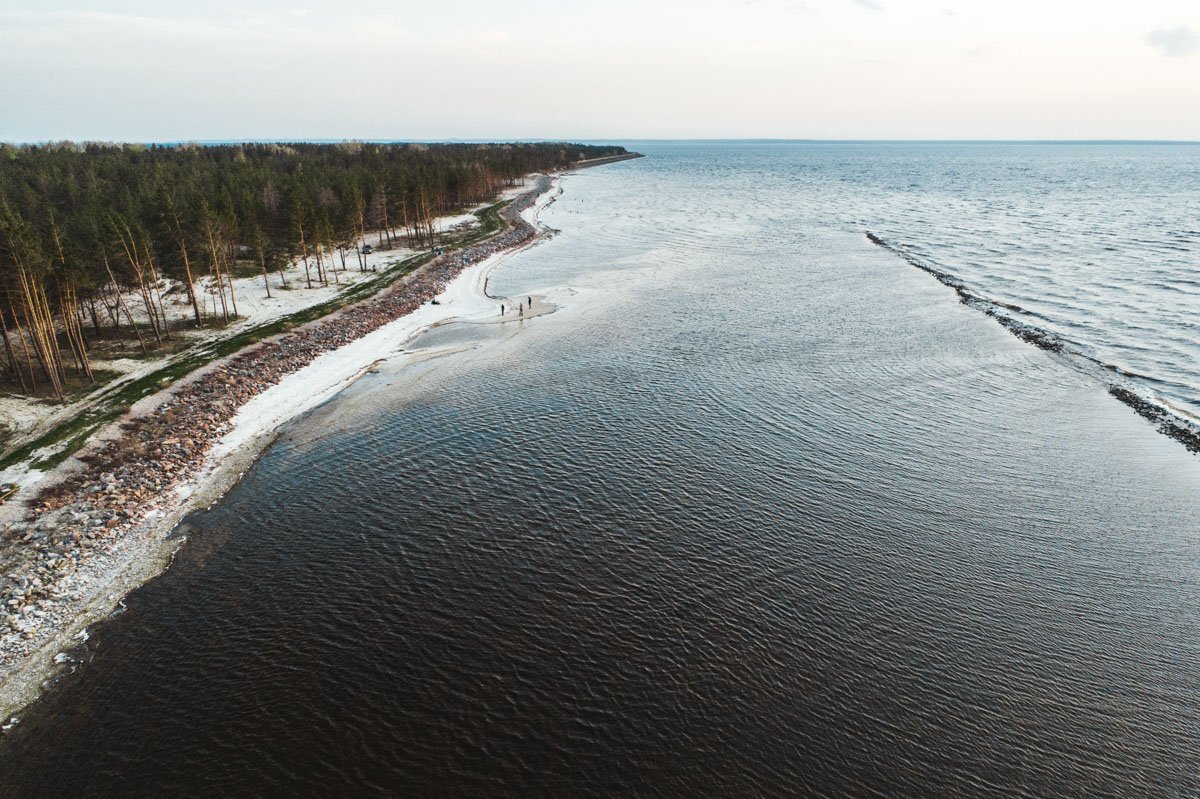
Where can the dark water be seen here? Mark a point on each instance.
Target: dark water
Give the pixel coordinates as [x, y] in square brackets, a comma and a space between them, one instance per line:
[762, 511]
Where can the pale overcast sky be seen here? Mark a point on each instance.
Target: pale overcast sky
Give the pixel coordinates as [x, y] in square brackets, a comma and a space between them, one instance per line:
[1019, 69]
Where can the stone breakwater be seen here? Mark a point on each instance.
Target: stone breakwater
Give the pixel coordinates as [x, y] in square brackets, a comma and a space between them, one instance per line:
[1182, 430]
[78, 524]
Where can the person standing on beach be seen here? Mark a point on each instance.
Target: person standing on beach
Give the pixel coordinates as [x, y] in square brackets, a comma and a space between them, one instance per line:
[530, 299]
[502, 309]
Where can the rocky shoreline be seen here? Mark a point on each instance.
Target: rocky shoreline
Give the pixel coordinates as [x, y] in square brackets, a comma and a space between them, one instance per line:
[64, 563]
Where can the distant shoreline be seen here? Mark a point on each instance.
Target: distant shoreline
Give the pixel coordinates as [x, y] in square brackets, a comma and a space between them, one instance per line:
[608, 159]
[633, 140]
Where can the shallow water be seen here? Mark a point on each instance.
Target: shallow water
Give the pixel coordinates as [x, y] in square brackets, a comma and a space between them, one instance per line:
[762, 510]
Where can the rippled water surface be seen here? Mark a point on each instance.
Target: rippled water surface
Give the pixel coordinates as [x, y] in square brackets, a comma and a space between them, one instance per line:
[1098, 245]
[762, 510]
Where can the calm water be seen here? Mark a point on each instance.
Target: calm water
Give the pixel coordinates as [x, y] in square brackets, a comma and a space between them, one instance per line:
[763, 510]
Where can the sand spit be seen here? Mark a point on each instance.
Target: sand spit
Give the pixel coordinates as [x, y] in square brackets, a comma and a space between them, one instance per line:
[103, 528]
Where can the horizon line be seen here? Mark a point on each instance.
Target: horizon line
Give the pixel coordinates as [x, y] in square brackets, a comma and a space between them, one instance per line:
[552, 140]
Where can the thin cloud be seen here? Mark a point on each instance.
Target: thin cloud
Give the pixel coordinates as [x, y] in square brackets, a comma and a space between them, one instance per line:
[871, 4]
[289, 29]
[138, 24]
[1175, 43]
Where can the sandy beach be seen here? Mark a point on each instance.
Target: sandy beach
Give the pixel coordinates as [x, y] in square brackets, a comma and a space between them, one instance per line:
[107, 526]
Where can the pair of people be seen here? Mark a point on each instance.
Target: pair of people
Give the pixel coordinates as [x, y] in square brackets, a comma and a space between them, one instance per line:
[520, 306]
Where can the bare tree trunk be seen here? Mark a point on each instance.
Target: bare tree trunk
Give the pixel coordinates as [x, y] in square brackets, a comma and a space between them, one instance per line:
[123, 306]
[95, 316]
[12, 358]
[332, 265]
[304, 253]
[386, 226]
[68, 304]
[427, 214]
[25, 348]
[156, 278]
[320, 272]
[52, 354]
[362, 239]
[64, 305]
[33, 319]
[214, 267]
[131, 252]
[262, 261]
[232, 289]
[77, 324]
[187, 270]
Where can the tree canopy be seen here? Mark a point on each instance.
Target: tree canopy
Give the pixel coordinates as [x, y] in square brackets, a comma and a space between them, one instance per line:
[84, 226]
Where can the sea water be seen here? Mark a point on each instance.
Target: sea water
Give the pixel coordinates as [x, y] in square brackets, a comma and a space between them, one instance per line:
[761, 510]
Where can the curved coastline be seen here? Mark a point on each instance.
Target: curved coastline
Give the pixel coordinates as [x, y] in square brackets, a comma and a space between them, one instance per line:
[109, 524]
[1165, 419]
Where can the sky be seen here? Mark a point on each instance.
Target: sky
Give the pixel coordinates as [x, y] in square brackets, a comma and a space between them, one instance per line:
[609, 69]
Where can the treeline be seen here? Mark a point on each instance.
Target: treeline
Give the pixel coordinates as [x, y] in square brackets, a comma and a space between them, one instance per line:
[93, 236]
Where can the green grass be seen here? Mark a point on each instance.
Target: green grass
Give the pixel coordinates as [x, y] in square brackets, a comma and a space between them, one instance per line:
[246, 269]
[78, 430]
